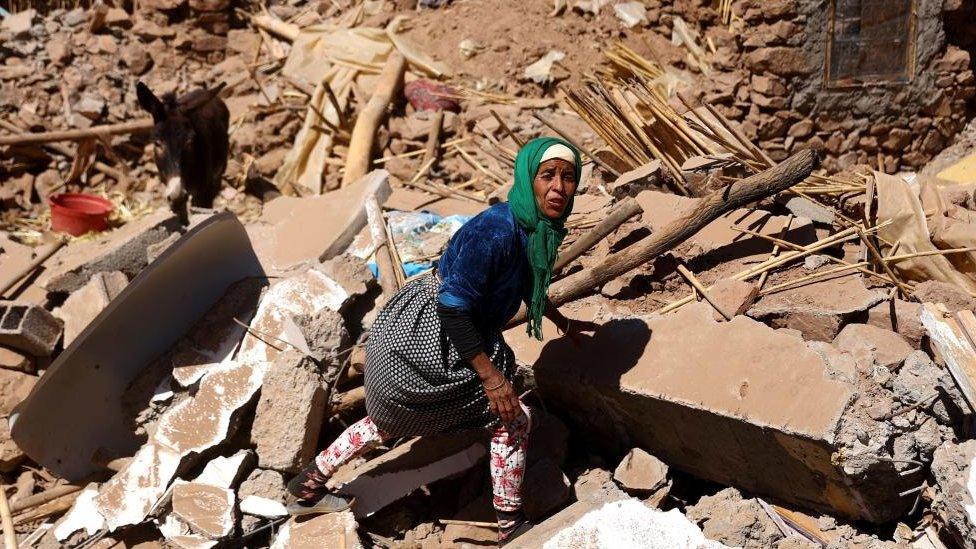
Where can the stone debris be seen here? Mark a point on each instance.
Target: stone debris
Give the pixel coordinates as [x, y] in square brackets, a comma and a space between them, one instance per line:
[289, 414]
[29, 328]
[640, 472]
[202, 366]
[83, 305]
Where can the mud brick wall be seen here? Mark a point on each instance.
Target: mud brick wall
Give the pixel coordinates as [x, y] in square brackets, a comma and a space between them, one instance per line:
[769, 76]
[210, 18]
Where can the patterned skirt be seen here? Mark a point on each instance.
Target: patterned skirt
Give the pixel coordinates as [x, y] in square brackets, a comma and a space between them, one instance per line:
[416, 383]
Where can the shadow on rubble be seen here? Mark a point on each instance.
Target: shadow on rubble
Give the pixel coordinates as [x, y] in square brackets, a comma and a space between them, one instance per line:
[599, 359]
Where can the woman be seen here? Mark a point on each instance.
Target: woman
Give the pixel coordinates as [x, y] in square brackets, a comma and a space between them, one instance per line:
[436, 361]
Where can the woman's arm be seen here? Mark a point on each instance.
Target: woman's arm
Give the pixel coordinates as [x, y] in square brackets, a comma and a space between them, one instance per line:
[570, 327]
[463, 334]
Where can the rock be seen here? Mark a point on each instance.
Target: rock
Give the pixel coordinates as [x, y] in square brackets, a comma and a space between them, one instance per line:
[350, 272]
[622, 523]
[921, 380]
[89, 106]
[815, 261]
[325, 335]
[952, 468]
[545, 489]
[136, 57]
[306, 533]
[818, 309]
[266, 485]
[779, 60]
[803, 207]
[733, 296]
[728, 518]
[596, 485]
[208, 510]
[903, 317]
[648, 176]
[801, 129]
[118, 18]
[83, 306]
[952, 296]
[19, 24]
[29, 328]
[14, 387]
[74, 17]
[898, 139]
[641, 473]
[123, 249]
[289, 414]
[889, 348]
[11, 456]
[13, 360]
[58, 49]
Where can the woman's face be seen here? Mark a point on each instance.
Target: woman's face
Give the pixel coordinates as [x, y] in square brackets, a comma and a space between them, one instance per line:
[554, 184]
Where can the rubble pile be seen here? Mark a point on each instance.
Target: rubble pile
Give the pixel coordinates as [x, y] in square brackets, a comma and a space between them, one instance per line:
[788, 359]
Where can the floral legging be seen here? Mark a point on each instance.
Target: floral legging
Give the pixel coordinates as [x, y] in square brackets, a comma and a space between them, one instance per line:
[507, 455]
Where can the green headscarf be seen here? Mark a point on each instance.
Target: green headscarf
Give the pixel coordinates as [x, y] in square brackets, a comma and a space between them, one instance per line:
[545, 235]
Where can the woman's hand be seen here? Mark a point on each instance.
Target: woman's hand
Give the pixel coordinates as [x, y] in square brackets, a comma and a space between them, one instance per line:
[501, 397]
[574, 329]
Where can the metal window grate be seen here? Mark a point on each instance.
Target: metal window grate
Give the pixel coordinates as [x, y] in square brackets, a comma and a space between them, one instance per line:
[871, 41]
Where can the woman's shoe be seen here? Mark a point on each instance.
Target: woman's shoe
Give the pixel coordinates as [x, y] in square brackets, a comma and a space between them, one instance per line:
[328, 503]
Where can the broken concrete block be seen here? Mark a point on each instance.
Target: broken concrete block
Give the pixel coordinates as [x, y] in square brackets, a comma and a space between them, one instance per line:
[324, 334]
[954, 470]
[759, 396]
[265, 485]
[83, 305]
[189, 427]
[646, 177]
[13, 360]
[332, 530]
[889, 349]
[903, 317]
[391, 476]
[641, 472]
[737, 522]
[123, 249]
[293, 230]
[623, 523]
[808, 209]
[597, 485]
[950, 295]
[545, 489]
[82, 516]
[300, 295]
[262, 507]
[179, 534]
[29, 328]
[817, 310]
[207, 509]
[350, 272]
[733, 296]
[14, 387]
[225, 471]
[289, 414]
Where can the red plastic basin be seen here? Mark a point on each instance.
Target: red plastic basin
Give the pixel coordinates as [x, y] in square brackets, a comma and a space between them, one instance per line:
[78, 213]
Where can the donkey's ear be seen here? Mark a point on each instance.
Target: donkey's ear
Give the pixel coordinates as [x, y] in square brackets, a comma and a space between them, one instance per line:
[149, 102]
[201, 98]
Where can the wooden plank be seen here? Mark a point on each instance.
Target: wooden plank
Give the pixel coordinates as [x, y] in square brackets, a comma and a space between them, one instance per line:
[954, 347]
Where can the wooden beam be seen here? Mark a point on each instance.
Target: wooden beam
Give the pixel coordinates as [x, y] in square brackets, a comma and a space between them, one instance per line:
[136, 126]
[740, 193]
[360, 154]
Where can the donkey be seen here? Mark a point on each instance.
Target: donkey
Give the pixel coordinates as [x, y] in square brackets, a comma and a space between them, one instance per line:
[191, 144]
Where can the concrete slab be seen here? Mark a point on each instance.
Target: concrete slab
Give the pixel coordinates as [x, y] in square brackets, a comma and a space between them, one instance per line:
[289, 414]
[315, 532]
[294, 230]
[76, 408]
[409, 200]
[391, 476]
[207, 509]
[817, 310]
[83, 305]
[123, 249]
[718, 238]
[727, 402]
